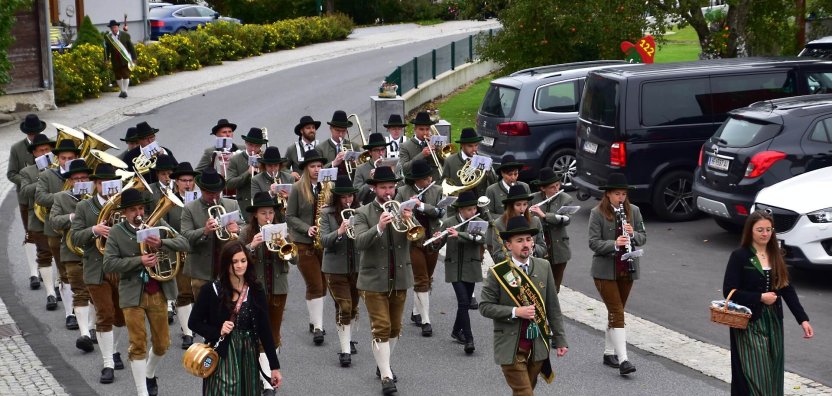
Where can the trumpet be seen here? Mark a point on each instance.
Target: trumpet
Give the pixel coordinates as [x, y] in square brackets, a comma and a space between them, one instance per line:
[285, 249]
[414, 231]
[346, 214]
[216, 212]
[167, 267]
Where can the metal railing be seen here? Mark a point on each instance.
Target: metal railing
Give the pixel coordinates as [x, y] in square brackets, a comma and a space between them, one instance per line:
[440, 60]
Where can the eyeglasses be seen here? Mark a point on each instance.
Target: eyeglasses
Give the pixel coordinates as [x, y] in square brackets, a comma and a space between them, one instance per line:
[760, 230]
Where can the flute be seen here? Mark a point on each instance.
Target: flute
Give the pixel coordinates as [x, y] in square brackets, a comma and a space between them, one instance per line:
[443, 233]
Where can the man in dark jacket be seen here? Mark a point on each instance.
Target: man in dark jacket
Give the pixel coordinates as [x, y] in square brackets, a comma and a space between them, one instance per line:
[119, 50]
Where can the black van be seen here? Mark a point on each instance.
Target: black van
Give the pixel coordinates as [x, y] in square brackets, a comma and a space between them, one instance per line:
[650, 122]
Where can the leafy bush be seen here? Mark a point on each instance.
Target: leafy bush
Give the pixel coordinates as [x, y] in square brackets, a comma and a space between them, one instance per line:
[88, 34]
[147, 67]
[206, 47]
[80, 73]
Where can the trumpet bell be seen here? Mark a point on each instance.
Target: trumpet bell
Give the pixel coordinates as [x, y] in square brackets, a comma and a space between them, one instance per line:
[415, 233]
[97, 157]
[450, 189]
[448, 150]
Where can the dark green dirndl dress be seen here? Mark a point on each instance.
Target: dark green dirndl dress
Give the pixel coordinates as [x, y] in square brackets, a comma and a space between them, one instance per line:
[238, 374]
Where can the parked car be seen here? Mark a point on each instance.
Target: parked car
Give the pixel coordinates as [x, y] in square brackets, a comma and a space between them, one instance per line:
[804, 225]
[179, 18]
[759, 146]
[532, 114]
[158, 4]
[650, 122]
[820, 48]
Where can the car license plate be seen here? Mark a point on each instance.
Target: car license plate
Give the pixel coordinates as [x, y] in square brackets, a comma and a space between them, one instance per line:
[488, 141]
[590, 147]
[718, 163]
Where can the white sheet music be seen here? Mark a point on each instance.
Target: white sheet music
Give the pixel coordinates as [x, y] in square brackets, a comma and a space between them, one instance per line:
[438, 140]
[192, 196]
[80, 188]
[142, 235]
[276, 188]
[44, 161]
[110, 187]
[481, 161]
[409, 204]
[230, 217]
[270, 230]
[351, 155]
[252, 160]
[223, 143]
[445, 202]
[568, 210]
[328, 174]
[151, 149]
[633, 254]
[477, 227]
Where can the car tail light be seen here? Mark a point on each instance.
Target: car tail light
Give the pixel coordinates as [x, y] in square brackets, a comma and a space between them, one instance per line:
[515, 128]
[618, 154]
[741, 210]
[157, 24]
[701, 152]
[760, 162]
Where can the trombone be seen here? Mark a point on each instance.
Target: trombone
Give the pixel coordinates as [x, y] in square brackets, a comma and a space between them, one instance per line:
[365, 155]
[414, 231]
[216, 212]
[443, 152]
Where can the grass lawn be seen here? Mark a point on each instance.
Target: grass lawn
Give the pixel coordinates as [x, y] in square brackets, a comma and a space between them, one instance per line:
[681, 46]
[460, 109]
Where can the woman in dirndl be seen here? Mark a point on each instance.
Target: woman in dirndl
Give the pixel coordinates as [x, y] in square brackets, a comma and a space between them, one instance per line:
[758, 272]
[233, 309]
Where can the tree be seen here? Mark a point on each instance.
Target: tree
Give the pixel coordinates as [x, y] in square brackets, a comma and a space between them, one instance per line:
[88, 34]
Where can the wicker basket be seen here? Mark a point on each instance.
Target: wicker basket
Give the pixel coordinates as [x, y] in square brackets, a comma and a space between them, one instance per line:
[733, 319]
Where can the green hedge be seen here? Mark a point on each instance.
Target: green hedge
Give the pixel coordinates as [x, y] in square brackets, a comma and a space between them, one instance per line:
[83, 73]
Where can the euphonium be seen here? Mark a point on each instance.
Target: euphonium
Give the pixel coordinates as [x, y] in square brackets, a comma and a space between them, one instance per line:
[142, 164]
[166, 266]
[285, 249]
[68, 233]
[414, 231]
[344, 215]
[65, 132]
[96, 157]
[216, 212]
[93, 141]
[109, 215]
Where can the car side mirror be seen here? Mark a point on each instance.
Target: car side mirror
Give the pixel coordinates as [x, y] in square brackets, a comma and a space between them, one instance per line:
[216, 15]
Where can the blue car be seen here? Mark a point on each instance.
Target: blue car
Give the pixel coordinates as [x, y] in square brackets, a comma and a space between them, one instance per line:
[178, 18]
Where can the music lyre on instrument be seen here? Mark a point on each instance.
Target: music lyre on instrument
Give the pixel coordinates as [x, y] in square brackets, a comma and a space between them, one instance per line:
[166, 267]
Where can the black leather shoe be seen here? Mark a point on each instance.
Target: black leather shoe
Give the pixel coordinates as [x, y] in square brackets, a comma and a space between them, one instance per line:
[353, 350]
[71, 323]
[611, 360]
[84, 343]
[469, 347]
[187, 341]
[123, 95]
[117, 363]
[318, 336]
[311, 327]
[626, 368]
[458, 336]
[57, 293]
[34, 282]
[378, 375]
[416, 319]
[388, 387]
[474, 304]
[51, 303]
[93, 337]
[345, 359]
[427, 330]
[107, 376]
[152, 386]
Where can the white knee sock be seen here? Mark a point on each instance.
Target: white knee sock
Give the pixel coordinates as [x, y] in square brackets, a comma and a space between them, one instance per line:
[139, 369]
[126, 84]
[48, 280]
[82, 315]
[184, 313]
[105, 343]
[315, 307]
[344, 336]
[608, 347]
[33, 265]
[381, 352]
[152, 363]
[66, 296]
[417, 310]
[619, 342]
[424, 304]
[91, 321]
[264, 365]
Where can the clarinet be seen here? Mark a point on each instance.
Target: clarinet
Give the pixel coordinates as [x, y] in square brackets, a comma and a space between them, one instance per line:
[622, 218]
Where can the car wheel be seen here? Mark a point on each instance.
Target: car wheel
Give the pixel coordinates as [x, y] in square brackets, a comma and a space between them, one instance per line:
[564, 163]
[728, 225]
[181, 30]
[673, 197]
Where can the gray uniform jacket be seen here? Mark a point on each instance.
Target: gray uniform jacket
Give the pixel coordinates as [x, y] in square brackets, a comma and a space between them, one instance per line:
[381, 251]
[410, 151]
[359, 181]
[340, 254]
[554, 230]
[263, 257]
[300, 215]
[62, 210]
[497, 251]
[49, 183]
[430, 198]
[602, 238]
[28, 186]
[208, 157]
[122, 255]
[262, 182]
[86, 216]
[496, 304]
[291, 154]
[19, 158]
[454, 163]
[199, 263]
[463, 255]
[497, 193]
[328, 150]
[238, 177]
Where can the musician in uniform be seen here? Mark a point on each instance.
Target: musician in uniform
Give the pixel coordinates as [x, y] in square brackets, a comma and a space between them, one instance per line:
[395, 135]
[139, 295]
[341, 264]
[51, 182]
[28, 184]
[469, 142]
[20, 157]
[239, 172]
[223, 129]
[613, 275]
[63, 210]
[333, 149]
[200, 229]
[554, 225]
[306, 129]
[384, 273]
[520, 296]
[375, 146]
[102, 287]
[145, 135]
[117, 55]
[509, 171]
[419, 185]
[419, 146]
[130, 140]
[302, 214]
[515, 204]
[271, 174]
[165, 165]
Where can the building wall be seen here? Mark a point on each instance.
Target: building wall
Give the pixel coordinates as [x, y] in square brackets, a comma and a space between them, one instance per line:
[102, 11]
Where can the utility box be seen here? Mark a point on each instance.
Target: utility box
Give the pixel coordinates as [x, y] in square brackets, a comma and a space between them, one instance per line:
[381, 109]
[444, 128]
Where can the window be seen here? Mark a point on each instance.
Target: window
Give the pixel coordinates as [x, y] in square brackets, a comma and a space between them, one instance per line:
[822, 132]
[205, 12]
[558, 98]
[189, 12]
[732, 92]
[740, 132]
[675, 102]
[499, 101]
[600, 104]
[819, 82]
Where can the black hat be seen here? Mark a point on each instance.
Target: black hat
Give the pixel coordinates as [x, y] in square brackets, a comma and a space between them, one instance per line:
[143, 129]
[182, 169]
[76, 166]
[210, 180]
[130, 136]
[222, 123]
[104, 171]
[422, 118]
[466, 198]
[32, 124]
[339, 119]
[395, 121]
[469, 135]
[262, 199]
[545, 177]
[616, 181]
[343, 186]
[508, 163]
[383, 174]
[39, 140]
[517, 226]
[132, 197]
[304, 121]
[112, 23]
[66, 145]
[164, 163]
[418, 169]
[517, 193]
[311, 156]
[271, 156]
[375, 140]
[255, 136]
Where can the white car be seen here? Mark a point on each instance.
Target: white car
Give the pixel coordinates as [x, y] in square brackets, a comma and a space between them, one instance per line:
[802, 210]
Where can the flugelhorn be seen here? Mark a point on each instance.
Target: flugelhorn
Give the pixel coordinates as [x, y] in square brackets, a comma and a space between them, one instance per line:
[413, 230]
[216, 212]
[166, 266]
[285, 249]
[346, 214]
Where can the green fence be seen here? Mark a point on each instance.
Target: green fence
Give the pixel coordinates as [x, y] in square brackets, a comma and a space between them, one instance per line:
[427, 66]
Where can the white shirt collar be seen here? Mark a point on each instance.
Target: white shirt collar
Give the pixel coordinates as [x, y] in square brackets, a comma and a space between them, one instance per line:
[520, 263]
[507, 187]
[334, 142]
[101, 200]
[464, 157]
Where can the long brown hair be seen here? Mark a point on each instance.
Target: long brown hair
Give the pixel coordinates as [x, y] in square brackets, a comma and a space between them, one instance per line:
[335, 203]
[605, 207]
[253, 227]
[780, 274]
[226, 257]
[509, 212]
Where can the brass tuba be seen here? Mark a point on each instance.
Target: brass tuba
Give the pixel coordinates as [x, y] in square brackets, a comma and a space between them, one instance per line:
[414, 231]
[285, 249]
[216, 213]
[67, 235]
[93, 141]
[109, 215]
[96, 157]
[64, 132]
[167, 267]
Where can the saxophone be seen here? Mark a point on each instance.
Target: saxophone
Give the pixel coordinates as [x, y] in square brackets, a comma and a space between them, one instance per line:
[324, 195]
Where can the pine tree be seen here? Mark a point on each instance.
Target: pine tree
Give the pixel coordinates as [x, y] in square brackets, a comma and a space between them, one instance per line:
[88, 34]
